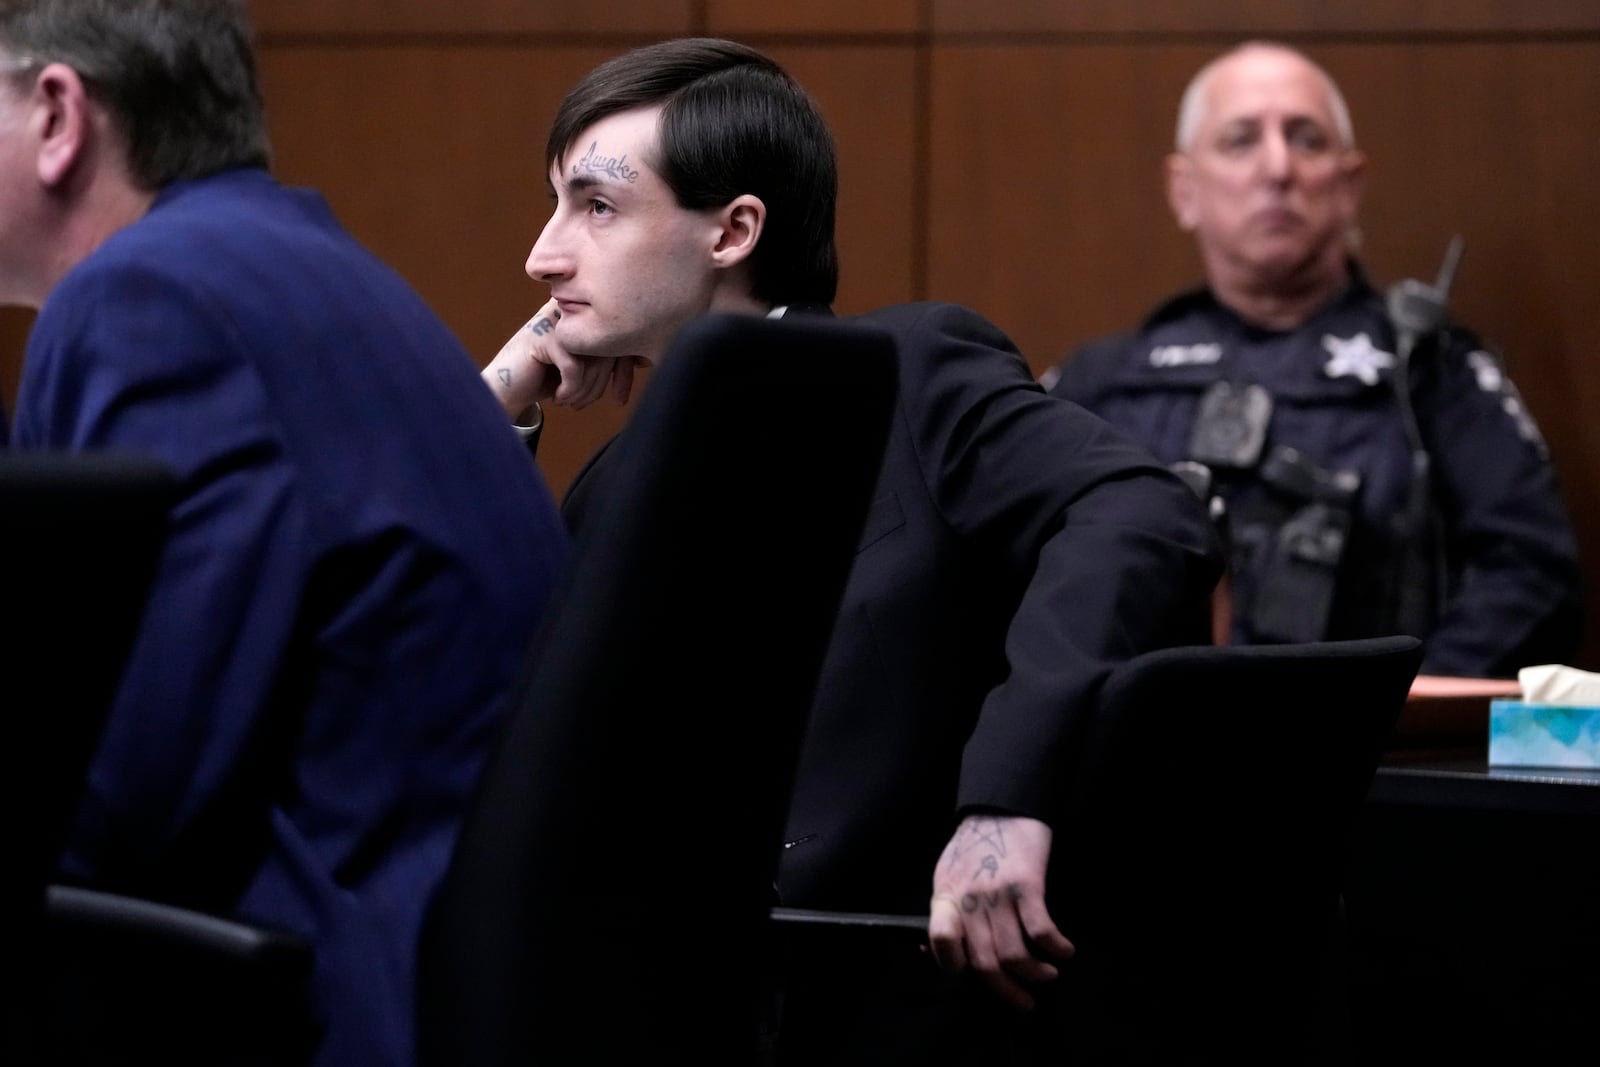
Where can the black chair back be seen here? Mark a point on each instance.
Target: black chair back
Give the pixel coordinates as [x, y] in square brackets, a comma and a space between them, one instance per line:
[1199, 868]
[608, 897]
[80, 534]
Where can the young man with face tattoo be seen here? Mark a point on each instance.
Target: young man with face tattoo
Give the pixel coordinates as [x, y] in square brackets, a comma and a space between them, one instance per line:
[1017, 549]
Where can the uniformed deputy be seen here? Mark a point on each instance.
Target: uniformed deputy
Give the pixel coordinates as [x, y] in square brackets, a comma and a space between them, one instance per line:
[1372, 480]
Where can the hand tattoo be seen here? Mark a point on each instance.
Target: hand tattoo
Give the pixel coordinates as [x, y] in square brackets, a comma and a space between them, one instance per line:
[505, 377]
[971, 902]
[540, 327]
[979, 832]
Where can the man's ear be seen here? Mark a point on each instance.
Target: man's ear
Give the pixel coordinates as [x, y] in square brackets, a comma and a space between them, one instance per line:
[739, 226]
[62, 122]
[1181, 192]
[1354, 166]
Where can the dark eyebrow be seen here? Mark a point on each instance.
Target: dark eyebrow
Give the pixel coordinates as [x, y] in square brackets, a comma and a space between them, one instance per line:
[1306, 120]
[582, 183]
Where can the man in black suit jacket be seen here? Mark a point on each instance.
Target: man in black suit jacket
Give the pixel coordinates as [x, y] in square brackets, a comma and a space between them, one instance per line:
[1016, 551]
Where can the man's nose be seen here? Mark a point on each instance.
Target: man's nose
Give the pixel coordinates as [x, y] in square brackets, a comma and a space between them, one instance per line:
[1276, 160]
[546, 260]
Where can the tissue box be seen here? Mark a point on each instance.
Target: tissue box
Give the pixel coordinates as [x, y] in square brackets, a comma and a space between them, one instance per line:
[1543, 735]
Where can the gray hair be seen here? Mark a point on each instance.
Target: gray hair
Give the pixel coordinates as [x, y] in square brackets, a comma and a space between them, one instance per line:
[1193, 106]
[177, 76]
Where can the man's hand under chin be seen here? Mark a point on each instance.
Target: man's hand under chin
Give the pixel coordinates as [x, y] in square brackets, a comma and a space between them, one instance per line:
[532, 366]
[988, 912]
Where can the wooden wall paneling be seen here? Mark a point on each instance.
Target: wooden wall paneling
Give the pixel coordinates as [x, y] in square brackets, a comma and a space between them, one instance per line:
[434, 157]
[868, 95]
[1474, 148]
[1047, 209]
[1251, 18]
[391, 17]
[14, 326]
[732, 18]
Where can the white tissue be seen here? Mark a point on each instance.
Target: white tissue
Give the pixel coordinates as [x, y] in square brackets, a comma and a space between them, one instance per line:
[1552, 683]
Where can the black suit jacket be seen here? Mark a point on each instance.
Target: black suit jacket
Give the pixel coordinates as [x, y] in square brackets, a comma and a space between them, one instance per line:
[1017, 549]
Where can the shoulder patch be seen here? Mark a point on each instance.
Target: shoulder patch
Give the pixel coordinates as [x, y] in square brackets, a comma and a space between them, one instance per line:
[1491, 379]
[1487, 370]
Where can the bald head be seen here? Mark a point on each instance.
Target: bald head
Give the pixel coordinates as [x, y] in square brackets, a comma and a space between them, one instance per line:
[1267, 179]
[1197, 102]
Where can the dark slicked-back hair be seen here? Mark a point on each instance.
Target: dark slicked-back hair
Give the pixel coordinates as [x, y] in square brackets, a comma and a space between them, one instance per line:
[732, 122]
[177, 76]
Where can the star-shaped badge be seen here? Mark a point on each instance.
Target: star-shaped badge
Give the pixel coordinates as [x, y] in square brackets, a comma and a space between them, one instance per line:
[1356, 357]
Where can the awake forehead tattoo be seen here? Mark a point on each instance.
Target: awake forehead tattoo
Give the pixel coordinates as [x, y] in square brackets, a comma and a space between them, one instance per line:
[594, 163]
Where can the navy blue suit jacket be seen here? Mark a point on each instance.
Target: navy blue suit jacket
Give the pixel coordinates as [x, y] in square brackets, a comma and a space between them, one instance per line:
[352, 578]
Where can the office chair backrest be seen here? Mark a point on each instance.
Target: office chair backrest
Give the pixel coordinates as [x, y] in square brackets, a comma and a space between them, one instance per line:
[608, 897]
[1203, 850]
[80, 536]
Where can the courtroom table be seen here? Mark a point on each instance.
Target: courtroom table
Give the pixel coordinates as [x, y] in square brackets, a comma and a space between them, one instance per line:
[1472, 909]
[1472, 783]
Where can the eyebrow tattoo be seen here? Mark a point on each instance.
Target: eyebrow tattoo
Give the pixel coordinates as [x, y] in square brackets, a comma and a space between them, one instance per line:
[612, 166]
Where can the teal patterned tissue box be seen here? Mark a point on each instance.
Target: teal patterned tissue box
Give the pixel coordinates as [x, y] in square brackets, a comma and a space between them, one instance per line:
[1543, 735]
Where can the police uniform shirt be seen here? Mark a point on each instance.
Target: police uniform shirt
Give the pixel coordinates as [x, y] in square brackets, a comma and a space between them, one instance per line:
[1501, 552]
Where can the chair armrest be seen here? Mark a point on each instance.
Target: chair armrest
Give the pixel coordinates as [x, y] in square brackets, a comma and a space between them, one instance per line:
[803, 916]
[92, 913]
[805, 937]
[131, 979]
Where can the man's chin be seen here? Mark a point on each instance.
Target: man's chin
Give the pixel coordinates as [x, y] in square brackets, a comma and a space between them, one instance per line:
[580, 341]
[1281, 251]
[588, 345]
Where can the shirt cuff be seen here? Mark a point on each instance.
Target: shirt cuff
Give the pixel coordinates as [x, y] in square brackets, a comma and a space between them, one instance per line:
[528, 426]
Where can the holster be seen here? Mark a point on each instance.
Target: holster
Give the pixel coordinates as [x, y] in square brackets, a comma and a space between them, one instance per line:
[1296, 564]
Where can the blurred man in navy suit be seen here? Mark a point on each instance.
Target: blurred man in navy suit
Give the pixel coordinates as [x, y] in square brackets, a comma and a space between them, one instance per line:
[360, 552]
